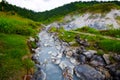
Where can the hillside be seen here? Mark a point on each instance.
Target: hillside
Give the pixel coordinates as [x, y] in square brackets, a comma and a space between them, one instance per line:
[15, 55]
[60, 12]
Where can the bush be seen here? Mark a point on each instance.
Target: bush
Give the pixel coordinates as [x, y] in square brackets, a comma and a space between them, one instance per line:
[14, 26]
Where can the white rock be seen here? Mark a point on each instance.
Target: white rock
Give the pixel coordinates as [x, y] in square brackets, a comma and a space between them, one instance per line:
[62, 65]
[59, 55]
[69, 53]
[54, 54]
[31, 39]
[72, 60]
[46, 45]
[57, 61]
[50, 52]
[90, 53]
[106, 58]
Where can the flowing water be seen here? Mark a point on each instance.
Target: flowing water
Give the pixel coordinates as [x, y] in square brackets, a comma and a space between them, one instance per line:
[50, 49]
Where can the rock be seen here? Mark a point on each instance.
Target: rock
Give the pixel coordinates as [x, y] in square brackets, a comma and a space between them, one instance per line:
[59, 55]
[97, 61]
[50, 52]
[90, 53]
[105, 72]
[54, 54]
[82, 59]
[114, 70]
[116, 57]
[67, 74]
[37, 50]
[64, 64]
[39, 75]
[32, 39]
[72, 60]
[69, 54]
[56, 61]
[46, 45]
[86, 72]
[106, 58]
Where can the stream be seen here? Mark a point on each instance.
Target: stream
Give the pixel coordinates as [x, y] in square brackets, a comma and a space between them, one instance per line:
[51, 58]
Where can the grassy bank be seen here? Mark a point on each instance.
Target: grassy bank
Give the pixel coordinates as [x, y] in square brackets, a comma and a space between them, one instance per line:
[108, 45]
[14, 52]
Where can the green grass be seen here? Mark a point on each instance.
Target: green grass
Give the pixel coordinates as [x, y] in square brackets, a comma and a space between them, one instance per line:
[12, 49]
[110, 45]
[88, 30]
[106, 44]
[16, 25]
[15, 59]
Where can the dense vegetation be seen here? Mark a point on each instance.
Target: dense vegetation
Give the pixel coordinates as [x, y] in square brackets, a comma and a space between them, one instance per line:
[14, 52]
[58, 13]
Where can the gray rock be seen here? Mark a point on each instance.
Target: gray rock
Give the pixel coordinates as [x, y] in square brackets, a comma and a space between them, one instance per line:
[82, 59]
[97, 61]
[116, 57]
[90, 53]
[106, 58]
[39, 75]
[86, 72]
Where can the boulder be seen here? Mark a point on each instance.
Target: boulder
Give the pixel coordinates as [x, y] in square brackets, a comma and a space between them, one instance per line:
[39, 75]
[74, 61]
[116, 57]
[86, 72]
[82, 59]
[69, 53]
[97, 61]
[106, 58]
[90, 53]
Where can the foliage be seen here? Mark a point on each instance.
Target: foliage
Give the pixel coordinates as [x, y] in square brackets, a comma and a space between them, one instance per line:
[16, 25]
[111, 32]
[14, 32]
[58, 13]
[12, 49]
[110, 45]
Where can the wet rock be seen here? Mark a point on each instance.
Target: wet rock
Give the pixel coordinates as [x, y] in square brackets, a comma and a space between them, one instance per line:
[106, 58]
[69, 53]
[86, 72]
[80, 50]
[37, 50]
[90, 53]
[97, 61]
[56, 61]
[74, 61]
[67, 74]
[82, 59]
[35, 59]
[105, 72]
[116, 57]
[39, 75]
[46, 45]
[64, 64]
[59, 55]
[114, 70]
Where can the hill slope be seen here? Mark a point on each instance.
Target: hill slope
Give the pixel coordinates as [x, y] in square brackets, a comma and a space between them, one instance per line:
[58, 13]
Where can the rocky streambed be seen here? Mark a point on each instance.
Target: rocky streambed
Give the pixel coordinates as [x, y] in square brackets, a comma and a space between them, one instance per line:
[56, 60]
